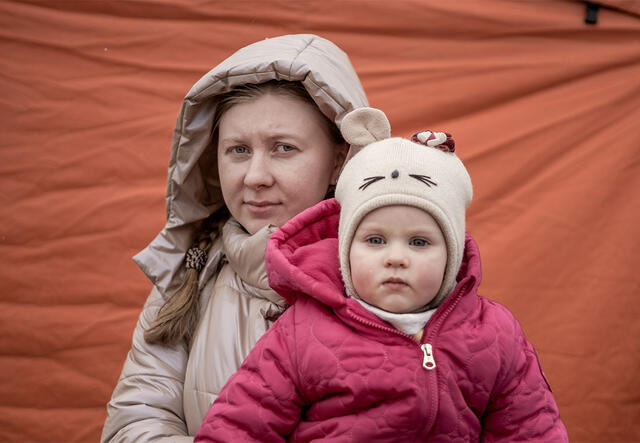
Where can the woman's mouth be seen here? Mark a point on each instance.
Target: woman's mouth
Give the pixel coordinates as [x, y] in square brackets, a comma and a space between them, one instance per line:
[262, 207]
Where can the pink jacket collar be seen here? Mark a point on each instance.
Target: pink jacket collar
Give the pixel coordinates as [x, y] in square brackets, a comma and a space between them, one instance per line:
[302, 258]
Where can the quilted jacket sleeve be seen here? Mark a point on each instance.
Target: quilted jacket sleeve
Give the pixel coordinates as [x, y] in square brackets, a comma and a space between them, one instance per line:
[146, 404]
[522, 407]
[260, 402]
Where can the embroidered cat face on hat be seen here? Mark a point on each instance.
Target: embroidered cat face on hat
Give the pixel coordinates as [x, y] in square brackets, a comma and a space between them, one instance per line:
[423, 172]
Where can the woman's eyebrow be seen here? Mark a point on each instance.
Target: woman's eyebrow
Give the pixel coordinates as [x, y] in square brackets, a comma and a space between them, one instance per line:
[276, 136]
[283, 134]
[229, 140]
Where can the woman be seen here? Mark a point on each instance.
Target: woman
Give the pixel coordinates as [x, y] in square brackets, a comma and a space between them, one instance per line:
[255, 143]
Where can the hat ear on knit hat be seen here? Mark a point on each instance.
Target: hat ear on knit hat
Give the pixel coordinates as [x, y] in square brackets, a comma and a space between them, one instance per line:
[364, 126]
[423, 172]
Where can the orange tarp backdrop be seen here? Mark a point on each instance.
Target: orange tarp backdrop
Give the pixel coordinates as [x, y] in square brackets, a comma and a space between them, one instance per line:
[545, 110]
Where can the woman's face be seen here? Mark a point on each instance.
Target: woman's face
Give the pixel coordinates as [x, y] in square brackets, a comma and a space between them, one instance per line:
[275, 159]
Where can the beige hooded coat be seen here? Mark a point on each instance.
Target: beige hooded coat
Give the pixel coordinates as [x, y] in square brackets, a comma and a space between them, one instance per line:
[164, 393]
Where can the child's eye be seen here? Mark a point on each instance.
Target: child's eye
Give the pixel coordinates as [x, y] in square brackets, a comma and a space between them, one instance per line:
[284, 148]
[419, 242]
[375, 240]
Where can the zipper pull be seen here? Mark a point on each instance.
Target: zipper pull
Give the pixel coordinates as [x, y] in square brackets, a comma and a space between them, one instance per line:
[428, 362]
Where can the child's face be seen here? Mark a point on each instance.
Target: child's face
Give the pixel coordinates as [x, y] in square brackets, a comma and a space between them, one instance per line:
[398, 258]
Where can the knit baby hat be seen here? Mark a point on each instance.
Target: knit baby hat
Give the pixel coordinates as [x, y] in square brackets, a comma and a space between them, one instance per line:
[423, 172]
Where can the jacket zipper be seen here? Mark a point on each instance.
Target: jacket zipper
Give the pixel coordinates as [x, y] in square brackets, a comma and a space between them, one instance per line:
[428, 362]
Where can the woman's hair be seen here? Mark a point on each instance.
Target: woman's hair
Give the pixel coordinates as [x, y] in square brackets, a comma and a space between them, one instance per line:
[250, 92]
[177, 319]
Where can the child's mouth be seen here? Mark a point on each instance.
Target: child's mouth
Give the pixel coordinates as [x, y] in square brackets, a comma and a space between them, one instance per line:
[394, 283]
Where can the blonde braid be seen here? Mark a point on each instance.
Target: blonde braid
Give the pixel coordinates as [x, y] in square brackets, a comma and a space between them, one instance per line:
[177, 319]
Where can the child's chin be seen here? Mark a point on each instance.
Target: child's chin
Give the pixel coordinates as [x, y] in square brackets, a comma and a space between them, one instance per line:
[394, 309]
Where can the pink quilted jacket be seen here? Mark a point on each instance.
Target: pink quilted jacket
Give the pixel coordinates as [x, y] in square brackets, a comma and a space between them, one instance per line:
[330, 370]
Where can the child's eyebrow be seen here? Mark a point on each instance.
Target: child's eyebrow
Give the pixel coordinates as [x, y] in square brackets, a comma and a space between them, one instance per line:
[375, 227]
[370, 180]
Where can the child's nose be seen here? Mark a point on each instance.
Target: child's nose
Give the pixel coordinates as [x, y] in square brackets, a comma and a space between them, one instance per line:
[396, 257]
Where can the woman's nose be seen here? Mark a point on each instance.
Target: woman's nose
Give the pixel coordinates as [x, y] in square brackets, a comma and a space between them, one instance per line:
[396, 257]
[258, 172]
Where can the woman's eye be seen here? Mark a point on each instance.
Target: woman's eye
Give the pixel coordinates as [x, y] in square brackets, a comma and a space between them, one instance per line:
[238, 150]
[285, 148]
[419, 242]
[375, 240]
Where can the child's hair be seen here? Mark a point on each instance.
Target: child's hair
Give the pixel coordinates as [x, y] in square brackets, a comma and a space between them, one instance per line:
[178, 317]
[422, 172]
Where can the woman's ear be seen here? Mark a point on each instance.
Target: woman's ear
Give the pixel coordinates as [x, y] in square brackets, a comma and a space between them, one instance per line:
[339, 160]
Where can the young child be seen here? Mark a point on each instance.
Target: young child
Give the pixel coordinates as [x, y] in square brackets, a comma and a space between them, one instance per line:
[404, 350]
